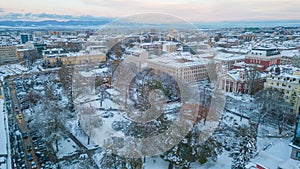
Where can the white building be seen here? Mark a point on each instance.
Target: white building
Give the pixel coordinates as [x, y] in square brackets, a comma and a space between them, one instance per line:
[185, 68]
[5, 156]
[229, 59]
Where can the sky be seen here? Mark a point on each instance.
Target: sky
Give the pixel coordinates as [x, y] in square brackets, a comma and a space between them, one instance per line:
[190, 10]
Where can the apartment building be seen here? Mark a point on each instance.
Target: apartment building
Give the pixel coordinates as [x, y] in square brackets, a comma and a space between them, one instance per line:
[8, 54]
[289, 82]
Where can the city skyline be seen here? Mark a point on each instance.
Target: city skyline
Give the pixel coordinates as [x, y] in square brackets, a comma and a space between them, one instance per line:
[191, 10]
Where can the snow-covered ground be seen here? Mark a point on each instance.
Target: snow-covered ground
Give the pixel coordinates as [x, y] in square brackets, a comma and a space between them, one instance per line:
[155, 162]
[13, 69]
[66, 147]
[272, 152]
[268, 146]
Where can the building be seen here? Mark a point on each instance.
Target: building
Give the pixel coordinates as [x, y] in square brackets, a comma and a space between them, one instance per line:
[190, 47]
[169, 47]
[233, 81]
[57, 56]
[288, 55]
[154, 48]
[248, 36]
[263, 58]
[287, 81]
[8, 54]
[276, 156]
[26, 37]
[136, 56]
[5, 151]
[229, 59]
[185, 68]
[296, 141]
[40, 47]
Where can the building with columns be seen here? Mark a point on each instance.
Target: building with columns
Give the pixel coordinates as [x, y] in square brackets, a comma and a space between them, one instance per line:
[233, 81]
[236, 80]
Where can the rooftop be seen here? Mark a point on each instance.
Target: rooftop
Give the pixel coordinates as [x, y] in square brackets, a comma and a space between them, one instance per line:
[179, 61]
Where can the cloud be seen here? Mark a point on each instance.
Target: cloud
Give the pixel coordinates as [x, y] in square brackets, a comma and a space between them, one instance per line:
[47, 16]
[192, 10]
[214, 10]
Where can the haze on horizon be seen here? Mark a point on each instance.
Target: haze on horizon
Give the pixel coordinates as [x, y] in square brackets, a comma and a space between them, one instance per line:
[191, 10]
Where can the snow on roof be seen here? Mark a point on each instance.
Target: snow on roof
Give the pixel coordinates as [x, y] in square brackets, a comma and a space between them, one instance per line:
[276, 155]
[229, 57]
[290, 53]
[135, 49]
[178, 61]
[3, 134]
[240, 64]
[290, 164]
[238, 50]
[235, 74]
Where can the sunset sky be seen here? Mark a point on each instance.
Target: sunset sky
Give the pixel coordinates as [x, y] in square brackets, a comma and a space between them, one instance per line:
[191, 10]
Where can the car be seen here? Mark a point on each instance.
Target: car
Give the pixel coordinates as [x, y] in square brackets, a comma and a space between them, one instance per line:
[30, 157]
[19, 116]
[23, 165]
[34, 137]
[25, 135]
[107, 114]
[33, 164]
[39, 154]
[20, 145]
[29, 148]
[19, 160]
[22, 154]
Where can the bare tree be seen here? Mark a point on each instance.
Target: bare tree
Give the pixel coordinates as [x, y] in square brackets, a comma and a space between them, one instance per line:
[90, 121]
[253, 79]
[274, 109]
[212, 72]
[32, 98]
[296, 61]
[31, 56]
[65, 77]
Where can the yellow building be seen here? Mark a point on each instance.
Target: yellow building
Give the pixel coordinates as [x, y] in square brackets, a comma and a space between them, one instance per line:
[53, 56]
[289, 84]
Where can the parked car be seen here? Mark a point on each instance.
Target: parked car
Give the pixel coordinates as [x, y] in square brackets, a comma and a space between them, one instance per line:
[33, 164]
[22, 154]
[30, 157]
[19, 116]
[25, 135]
[29, 148]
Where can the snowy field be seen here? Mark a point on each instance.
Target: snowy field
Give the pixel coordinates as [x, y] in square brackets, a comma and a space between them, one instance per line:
[66, 147]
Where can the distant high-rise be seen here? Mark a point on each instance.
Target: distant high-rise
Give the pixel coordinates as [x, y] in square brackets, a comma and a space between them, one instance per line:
[26, 37]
